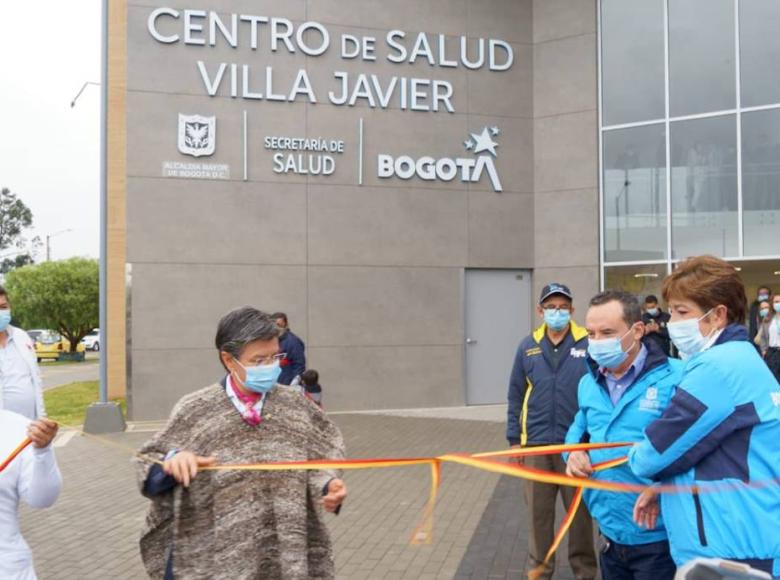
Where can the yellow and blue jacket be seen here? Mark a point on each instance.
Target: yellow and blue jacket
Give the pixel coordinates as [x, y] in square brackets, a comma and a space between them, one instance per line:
[542, 396]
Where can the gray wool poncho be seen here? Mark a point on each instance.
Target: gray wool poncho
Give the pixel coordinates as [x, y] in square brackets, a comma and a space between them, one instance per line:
[246, 525]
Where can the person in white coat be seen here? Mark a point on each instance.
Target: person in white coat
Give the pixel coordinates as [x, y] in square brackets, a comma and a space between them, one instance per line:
[32, 477]
[21, 390]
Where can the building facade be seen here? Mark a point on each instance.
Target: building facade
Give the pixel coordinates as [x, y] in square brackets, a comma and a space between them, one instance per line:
[401, 178]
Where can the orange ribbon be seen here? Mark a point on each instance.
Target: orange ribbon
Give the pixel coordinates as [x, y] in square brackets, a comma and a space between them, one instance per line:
[7, 461]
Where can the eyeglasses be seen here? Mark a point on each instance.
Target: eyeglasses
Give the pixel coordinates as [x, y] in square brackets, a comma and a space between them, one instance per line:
[267, 360]
[562, 307]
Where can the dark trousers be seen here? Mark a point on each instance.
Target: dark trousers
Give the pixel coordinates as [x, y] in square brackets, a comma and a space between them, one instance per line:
[640, 562]
[772, 359]
[540, 499]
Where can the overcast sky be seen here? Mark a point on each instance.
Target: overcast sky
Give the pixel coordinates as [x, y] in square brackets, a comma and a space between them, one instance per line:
[49, 153]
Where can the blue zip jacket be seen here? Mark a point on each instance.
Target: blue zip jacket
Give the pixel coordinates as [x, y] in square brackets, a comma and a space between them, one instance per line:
[721, 427]
[295, 363]
[599, 421]
[542, 399]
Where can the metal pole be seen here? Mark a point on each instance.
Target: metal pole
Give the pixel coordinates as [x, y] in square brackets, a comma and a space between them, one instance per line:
[103, 204]
[48, 252]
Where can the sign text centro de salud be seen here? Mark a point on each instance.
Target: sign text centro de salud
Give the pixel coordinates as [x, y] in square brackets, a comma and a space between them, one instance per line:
[318, 155]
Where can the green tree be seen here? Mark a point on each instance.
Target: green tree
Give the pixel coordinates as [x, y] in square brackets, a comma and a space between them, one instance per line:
[15, 217]
[63, 296]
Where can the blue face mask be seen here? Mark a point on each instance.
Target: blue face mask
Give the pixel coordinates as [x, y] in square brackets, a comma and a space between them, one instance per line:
[5, 319]
[556, 319]
[776, 306]
[763, 297]
[608, 352]
[652, 311]
[687, 336]
[764, 312]
[261, 378]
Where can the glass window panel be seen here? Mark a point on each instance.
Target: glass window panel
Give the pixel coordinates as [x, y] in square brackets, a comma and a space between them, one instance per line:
[635, 193]
[632, 63]
[641, 281]
[701, 56]
[759, 22]
[704, 187]
[761, 182]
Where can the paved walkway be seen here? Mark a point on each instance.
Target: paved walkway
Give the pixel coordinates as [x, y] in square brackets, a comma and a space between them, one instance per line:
[93, 530]
[55, 375]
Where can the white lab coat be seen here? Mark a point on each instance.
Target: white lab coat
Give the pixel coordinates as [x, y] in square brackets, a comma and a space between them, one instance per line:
[32, 477]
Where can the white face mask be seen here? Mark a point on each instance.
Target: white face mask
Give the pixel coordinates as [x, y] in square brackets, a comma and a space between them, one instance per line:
[687, 336]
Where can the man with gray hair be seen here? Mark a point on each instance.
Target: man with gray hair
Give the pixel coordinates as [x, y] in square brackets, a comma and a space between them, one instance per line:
[241, 524]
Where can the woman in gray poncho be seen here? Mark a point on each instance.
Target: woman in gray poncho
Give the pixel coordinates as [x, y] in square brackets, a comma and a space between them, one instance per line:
[241, 524]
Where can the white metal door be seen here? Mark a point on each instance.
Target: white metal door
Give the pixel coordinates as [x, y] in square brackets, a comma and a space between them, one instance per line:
[498, 316]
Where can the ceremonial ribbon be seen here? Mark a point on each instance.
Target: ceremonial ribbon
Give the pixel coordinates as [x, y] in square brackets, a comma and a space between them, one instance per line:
[7, 461]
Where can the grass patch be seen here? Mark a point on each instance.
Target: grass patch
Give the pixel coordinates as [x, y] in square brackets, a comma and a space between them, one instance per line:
[68, 403]
[50, 362]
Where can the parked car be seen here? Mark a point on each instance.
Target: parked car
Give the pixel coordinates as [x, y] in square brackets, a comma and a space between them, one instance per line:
[92, 340]
[49, 345]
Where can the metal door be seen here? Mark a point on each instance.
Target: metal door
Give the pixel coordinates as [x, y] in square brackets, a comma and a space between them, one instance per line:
[498, 315]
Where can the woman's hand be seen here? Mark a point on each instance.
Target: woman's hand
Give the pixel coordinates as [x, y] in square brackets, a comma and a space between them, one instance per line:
[579, 465]
[42, 432]
[337, 493]
[183, 466]
[646, 509]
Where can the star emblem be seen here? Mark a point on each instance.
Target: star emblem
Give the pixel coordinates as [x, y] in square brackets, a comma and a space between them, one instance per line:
[469, 144]
[484, 142]
[495, 131]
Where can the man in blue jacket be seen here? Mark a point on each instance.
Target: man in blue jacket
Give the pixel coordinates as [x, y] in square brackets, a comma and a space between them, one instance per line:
[542, 403]
[294, 363]
[630, 383]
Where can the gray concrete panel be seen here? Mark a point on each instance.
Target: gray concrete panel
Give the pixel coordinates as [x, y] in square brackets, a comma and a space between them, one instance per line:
[384, 306]
[177, 306]
[389, 377]
[582, 280]
[386, 226]
[561, 18]
[565, 76]
[174, 221]
[438, 16]
[509, 20]
[508, 94]
[565, 152]
[161, 377]
[564, 228]
[291, 9]
[501, 232]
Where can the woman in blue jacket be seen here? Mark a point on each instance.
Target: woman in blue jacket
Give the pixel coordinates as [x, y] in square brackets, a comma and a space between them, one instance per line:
[721, 428]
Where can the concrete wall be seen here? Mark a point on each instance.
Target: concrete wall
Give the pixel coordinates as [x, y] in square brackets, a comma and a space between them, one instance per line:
[565, 147]
[370, 276]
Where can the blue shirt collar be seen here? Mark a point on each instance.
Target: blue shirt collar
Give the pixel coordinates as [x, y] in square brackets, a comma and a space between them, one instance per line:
[617, 387]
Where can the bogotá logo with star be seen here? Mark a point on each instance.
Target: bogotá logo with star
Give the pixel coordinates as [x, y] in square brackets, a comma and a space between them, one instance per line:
[470, 169]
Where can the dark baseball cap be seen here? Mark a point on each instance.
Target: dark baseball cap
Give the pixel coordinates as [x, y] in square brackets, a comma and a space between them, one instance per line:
[555, 288]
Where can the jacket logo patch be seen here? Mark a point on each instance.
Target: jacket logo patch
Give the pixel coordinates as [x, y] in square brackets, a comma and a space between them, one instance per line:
[533, 350]
[577, 353]
[775, 398]
[650, 401]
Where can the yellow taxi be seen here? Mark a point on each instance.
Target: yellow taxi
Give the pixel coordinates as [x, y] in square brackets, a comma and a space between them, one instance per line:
[50, 345]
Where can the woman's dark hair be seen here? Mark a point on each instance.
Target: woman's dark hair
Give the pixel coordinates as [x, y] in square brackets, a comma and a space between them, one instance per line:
[708, 282]
[241, 326]
[310, 377]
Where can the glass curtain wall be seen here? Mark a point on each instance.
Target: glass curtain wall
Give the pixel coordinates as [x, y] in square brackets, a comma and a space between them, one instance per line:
[689, 133]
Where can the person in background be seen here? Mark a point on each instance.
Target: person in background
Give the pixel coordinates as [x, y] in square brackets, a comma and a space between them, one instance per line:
[21, 389]
[542, 401]
[655, 321]
[763, 294]
[630, 382]
[721, 428]
[771, 329]
[310, 381]
[294, 362]
[766, 314]
[33, 478]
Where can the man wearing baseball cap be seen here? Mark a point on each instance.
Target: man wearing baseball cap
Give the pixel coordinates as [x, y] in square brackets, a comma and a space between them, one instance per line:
[542, 403]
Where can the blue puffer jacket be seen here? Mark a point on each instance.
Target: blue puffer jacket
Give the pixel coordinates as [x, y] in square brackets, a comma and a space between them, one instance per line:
[599, 421]
[721, 427]
[542, 397]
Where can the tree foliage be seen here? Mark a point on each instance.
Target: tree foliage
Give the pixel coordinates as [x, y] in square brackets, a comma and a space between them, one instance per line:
[62, 296]
[15, 217]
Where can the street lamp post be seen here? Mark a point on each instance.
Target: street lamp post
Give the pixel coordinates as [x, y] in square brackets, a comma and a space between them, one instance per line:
[48, 241]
